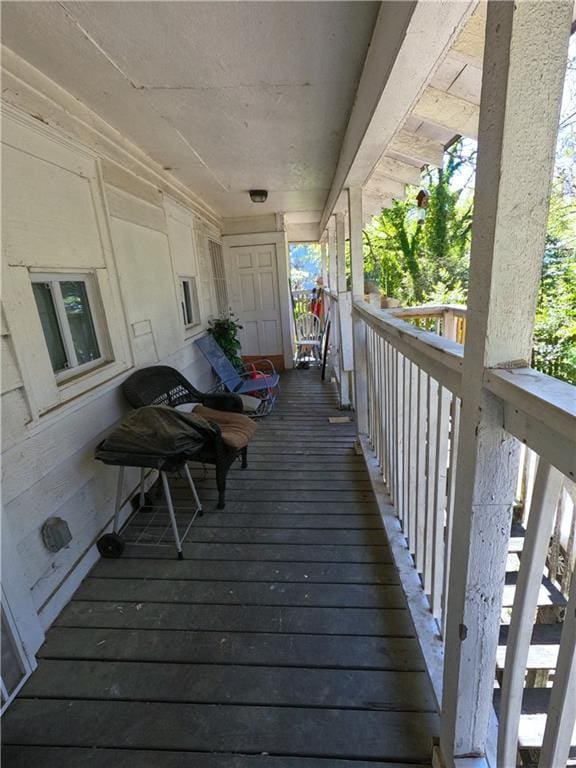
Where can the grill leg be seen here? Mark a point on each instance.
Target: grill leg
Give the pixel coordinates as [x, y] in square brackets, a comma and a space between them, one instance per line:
[193, 489]
[168, 497]
[119, 491]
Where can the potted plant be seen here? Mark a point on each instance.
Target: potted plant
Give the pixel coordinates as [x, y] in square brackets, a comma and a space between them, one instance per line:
[224, 330]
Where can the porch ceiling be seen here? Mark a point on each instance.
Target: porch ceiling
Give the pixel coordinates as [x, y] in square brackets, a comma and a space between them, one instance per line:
[228, 96]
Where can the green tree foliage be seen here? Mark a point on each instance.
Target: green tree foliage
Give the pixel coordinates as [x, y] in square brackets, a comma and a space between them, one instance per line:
[416, 261]
[555, 324]
[305, 265]
[428, 263]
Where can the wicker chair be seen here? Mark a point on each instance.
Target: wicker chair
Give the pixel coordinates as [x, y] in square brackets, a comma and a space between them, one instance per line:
[162, 385]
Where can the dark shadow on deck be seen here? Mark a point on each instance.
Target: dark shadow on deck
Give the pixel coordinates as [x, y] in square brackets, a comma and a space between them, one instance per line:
[281, 641]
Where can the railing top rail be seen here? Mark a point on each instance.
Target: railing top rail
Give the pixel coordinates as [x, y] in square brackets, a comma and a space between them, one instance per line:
[539, 410]
[439, 357]
[432, 310]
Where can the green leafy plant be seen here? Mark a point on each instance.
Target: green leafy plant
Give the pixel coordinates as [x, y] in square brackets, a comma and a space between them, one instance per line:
[224, 330]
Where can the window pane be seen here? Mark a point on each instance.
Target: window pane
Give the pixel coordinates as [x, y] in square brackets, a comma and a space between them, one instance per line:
[80, 321]
[186, 304]
[49, 320]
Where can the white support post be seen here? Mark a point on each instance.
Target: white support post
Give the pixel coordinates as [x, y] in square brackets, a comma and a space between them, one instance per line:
[331, 229]
[344, 313]
[324, 256]
[359, 328]
[524, 64]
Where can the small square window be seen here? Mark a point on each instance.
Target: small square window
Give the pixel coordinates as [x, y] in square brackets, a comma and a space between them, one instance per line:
[73, 329]
[189, 301]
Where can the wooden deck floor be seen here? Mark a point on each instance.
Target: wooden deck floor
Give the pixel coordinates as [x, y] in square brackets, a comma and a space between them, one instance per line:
[281, 641]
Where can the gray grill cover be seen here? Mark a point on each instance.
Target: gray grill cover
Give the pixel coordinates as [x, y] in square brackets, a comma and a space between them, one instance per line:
[153, 432]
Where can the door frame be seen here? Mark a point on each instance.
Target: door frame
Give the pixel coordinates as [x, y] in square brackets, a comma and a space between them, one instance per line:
[280, 241]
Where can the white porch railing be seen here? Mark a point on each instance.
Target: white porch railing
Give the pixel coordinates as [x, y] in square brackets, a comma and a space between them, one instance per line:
[447, 320]
[414, 380]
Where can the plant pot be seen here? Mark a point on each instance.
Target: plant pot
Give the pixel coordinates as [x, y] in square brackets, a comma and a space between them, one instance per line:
[388, 302]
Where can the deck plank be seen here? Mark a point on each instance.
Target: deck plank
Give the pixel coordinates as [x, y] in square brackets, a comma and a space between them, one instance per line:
[239, 571]
[328, 733]
[202, 534]
[74, 757]
[390, 622]
[223, 570]
[228, 684]
[302, 553]
[282, 640]
[240, 593]
[236, 648]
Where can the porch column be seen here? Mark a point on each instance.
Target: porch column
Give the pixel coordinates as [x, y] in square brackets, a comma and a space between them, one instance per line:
[324, 258]
[344, 313]
[524, 64]
[331, 230]
[356, 221]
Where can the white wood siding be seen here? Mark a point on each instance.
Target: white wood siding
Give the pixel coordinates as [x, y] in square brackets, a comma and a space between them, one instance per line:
[67, 211]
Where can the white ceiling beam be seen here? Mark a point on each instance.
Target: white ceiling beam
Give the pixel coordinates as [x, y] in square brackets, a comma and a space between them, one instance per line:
[381, 186]
[449, 111]
[408, 41]
[372, 206]
[398, 171]
[302, 232]
[413, 147]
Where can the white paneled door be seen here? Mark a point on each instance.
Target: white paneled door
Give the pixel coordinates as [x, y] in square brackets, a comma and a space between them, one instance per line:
[256, 299]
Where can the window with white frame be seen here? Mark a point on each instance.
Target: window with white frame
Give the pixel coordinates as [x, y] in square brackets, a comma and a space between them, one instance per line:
[189, 302]
[72, 322]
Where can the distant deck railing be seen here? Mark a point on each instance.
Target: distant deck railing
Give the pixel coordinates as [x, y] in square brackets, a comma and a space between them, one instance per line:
[414, 383]
[447, 320]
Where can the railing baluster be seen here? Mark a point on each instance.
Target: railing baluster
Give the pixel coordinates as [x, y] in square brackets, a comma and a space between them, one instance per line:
[412, 452]
[420, 490]
[547, 487]
[372, 402]
[432, 412]
[452, 465]
[396, 445]
[440, 499]
[385, 407]
[406, 425]
[391, 444]
[381, 456]
[562, 708]
[401, 485]
[384, 412]
[387, 372]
